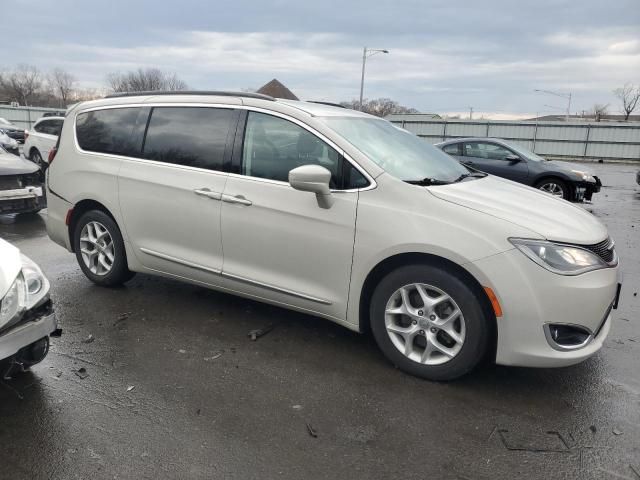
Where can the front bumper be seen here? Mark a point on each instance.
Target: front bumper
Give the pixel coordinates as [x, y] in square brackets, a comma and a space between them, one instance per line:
[585, 190]
[20, 200]
[531, 297]
[26, 333]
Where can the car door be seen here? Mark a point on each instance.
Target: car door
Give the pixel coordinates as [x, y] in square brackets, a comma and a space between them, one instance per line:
[495, 159]
[170, 197]
[278, 242]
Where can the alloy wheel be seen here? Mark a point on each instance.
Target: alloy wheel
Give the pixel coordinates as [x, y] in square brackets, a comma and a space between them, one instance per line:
[552, 188]
[425, 324]
[97, 248]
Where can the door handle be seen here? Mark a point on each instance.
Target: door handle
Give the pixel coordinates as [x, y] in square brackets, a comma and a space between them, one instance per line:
[239, 199]
[205, 192]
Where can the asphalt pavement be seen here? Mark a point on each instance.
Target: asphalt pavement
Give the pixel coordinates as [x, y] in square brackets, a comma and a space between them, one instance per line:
[173, 387]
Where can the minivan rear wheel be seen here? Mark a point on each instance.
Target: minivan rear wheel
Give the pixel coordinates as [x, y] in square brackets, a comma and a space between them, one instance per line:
[100, 249]
[429, 323]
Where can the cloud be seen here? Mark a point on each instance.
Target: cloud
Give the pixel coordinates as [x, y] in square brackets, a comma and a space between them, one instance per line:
[443, 57]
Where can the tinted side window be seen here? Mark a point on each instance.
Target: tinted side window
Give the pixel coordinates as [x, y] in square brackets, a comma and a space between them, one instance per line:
[107, 131]
[190, 136]
[56, 127]
[40, 127]
[489, 151]
[453, 149]
[274, 146]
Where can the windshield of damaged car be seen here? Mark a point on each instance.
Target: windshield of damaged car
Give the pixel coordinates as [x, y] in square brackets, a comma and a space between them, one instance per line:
[397, 151]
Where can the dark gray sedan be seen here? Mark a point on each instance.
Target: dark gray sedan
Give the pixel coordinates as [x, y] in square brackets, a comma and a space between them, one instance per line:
[509, 160]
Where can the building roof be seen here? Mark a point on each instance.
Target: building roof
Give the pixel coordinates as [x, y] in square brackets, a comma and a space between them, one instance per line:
[277, 90]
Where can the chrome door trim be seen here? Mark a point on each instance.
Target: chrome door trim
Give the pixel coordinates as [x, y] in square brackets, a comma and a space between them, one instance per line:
[277, 289]
[180, 261]
[231, 276]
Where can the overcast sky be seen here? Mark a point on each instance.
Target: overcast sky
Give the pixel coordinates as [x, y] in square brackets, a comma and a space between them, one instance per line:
[444, 56]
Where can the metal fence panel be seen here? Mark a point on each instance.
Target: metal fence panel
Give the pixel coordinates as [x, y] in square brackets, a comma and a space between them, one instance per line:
[24, 117]
[595, 140]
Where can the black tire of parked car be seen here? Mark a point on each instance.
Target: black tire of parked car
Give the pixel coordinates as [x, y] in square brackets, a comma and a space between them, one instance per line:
[120, 272]
[477, 321]
[566, 190]
[36, 158]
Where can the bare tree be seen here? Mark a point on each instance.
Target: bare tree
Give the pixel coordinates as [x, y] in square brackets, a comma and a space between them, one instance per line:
[144, 80]
[599, 110]
[629, 96]
[22, 83]
[380, 107]
[61, 83]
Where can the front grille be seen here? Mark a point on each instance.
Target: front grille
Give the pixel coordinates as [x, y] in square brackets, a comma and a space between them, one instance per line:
[605, 250]
[12, 182]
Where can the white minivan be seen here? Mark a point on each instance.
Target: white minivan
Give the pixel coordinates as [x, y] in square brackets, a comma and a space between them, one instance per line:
[335, 213]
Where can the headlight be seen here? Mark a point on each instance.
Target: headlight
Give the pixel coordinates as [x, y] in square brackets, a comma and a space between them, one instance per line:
[13, 302]
[36, 284]
[558, 258]
[584, 176]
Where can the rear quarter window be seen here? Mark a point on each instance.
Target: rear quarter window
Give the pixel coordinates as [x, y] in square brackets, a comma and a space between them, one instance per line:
[107, 131]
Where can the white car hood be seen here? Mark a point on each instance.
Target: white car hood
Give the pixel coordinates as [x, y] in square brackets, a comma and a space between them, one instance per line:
[10, 265]
[550, 217]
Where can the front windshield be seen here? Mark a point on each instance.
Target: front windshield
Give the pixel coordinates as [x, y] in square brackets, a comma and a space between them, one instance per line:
[397, 151]
[529, 155]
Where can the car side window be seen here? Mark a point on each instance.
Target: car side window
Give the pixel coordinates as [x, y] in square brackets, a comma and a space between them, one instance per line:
[490, 151]
[452, 149]
[56, 127]
[107, 131]
[41, 127]
[189, 136]
[274, 146]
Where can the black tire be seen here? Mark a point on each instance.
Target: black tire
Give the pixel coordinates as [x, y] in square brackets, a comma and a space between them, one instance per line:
[546, 184]
[119, 272]
[477, 321]
[36, 158]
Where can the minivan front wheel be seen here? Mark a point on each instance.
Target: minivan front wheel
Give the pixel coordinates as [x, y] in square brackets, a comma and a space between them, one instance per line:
[100, 249]
[429, 323]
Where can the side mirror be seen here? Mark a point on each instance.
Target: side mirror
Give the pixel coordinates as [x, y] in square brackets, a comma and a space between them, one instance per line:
[512, 158]
[315, 179]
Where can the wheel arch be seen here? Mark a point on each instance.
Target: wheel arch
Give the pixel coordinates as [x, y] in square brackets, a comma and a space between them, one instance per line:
[396, 261]
[80, 209]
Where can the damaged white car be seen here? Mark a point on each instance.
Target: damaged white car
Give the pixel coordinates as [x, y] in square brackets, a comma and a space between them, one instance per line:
[21, 185]
[27, 319]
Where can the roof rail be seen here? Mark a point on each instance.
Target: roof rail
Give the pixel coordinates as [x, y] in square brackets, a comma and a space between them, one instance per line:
[191, 92]
[331, 104]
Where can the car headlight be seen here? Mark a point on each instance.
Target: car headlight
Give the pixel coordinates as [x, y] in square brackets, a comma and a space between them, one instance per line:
[559, 258]
[36, 284]
[28, 290]
[13, 303]
[584, 176]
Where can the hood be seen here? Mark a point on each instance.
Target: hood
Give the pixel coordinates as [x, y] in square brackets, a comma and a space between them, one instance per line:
[13, 165]
[548, 216]
[568, 166]
[10, 265]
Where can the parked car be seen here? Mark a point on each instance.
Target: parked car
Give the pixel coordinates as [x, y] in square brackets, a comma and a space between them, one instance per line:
[509, 160]
[41, 139]
[21, 185]
[27, 319]
[335, 213]
[11, 130]
[9, 144]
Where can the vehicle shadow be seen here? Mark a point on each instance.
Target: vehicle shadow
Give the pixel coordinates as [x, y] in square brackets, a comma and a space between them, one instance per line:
[22, 225]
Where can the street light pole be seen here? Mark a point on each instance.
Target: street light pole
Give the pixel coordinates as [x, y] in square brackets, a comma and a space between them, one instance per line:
[561, 95]
[367, 52]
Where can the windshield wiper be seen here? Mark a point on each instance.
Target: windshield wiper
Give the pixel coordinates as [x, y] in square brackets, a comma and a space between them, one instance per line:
[426, 182]
[470, 175]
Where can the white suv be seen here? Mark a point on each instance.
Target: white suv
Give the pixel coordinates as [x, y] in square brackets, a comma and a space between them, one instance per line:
[336, 213]
[41, 139]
